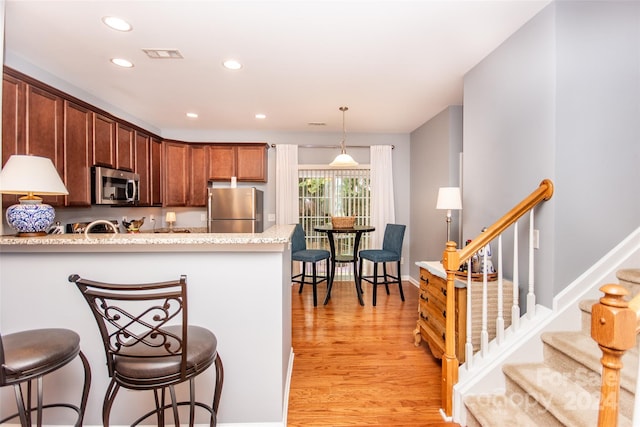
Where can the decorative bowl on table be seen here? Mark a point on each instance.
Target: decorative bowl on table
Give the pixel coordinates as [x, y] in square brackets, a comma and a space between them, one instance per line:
[343, 221]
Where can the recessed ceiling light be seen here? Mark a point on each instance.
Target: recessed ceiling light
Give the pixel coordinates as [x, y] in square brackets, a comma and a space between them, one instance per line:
[232, 64]
[261, 116]
[192, 115]
[116, 23]
[121, 62]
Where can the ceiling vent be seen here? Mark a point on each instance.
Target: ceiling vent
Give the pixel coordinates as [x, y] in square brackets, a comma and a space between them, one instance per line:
[163, 53]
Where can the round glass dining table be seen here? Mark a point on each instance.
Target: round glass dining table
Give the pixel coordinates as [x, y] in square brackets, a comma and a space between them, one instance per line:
[352, 257]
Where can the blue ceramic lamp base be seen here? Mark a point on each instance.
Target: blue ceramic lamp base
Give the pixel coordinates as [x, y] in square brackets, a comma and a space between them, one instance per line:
[30, 218]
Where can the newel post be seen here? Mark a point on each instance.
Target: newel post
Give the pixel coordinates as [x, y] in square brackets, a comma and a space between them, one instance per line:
[613, 327]
[451, 263]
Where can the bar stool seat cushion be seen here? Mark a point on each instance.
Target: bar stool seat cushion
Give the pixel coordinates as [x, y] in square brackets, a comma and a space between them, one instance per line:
[310, 255]
[30, 354]
[379, 255]
[201, 352]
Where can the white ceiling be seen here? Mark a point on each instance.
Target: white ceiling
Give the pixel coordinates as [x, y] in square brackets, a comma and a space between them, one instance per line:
[394, 63]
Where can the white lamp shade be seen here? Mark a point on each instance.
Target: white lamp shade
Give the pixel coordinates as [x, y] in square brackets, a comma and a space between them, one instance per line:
[449, 198]
[170, 217]
[31, 175]
[343, 160]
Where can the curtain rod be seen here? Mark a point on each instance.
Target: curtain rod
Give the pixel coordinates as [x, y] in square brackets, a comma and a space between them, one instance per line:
[333, 146]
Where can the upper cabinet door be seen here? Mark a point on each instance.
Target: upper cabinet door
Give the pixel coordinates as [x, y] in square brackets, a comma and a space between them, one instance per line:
[142, 158]
[13, 103]
[124, 148]
[176, 176]
[222, 162]
[155, 174]
[252, 162]
[78, 132]
[104, 141]
[44, 135]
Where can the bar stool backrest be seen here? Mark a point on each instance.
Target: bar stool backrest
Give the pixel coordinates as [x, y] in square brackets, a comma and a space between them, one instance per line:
[132, 318]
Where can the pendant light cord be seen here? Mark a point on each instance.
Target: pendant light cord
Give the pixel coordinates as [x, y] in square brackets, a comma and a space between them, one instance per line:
[343, 148]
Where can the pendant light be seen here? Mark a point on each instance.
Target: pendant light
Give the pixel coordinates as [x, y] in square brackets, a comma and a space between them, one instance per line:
[343, 159]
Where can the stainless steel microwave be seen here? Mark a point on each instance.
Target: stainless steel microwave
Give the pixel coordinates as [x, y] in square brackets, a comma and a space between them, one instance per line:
[114, 187]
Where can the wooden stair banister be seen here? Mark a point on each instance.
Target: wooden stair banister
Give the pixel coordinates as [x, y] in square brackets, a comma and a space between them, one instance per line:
[614, 326]
[452, 259]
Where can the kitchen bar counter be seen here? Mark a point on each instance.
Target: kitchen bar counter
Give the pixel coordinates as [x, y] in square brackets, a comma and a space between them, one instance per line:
[156, 242]
[239, 286]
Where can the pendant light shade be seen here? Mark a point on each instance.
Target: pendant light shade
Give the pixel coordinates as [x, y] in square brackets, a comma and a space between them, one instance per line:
[343, 159]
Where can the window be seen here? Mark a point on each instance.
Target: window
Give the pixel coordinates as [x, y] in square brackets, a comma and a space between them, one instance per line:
[324, 193]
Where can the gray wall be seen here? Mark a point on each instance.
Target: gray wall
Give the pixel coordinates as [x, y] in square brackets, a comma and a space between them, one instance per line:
[559, 100]
[439, 138]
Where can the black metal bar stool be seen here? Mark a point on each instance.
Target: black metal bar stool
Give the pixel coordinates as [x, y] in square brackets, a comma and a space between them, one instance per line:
[30, 355]
[149, 344]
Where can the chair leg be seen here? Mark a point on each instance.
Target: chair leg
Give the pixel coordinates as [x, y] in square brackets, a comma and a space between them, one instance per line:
[315, 288]
[109, 397]
[385, 277]
[304, 269]
[375, 282]
[174, 405]
[400, 282]
[20, 403]
[218, 388]
[192, 400]
[85, 389]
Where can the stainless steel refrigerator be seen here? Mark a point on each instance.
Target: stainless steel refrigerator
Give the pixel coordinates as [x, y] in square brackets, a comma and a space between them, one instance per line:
[235, 210]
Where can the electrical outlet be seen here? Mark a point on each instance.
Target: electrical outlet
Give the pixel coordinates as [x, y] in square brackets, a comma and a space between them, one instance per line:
[203, 217]
[152, 218]
[536, 239]
[271, 217]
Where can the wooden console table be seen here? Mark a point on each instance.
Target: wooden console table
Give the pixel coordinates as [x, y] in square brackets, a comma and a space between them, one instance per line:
[432, 303]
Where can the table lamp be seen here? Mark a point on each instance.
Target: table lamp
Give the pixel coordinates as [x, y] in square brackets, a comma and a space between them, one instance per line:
[170, 218]
[449, 199]
[32, 176]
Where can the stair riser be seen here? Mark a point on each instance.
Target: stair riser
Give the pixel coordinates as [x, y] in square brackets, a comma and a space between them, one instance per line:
[536, 410]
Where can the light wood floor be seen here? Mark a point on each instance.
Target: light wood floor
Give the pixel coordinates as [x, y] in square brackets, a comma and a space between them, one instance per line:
[358, 366]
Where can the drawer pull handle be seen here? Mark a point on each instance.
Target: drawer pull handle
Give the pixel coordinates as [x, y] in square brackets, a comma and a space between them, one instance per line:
[424, 298]
[444, 336]
[424, 317]
[444, 291]
[444, 313]
[424, 279]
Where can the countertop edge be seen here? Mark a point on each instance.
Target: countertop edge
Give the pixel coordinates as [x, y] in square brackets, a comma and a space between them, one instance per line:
[275, 238]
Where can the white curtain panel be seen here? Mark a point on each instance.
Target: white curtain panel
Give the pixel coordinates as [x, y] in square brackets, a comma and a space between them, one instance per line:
[382, 200]
[286, 184]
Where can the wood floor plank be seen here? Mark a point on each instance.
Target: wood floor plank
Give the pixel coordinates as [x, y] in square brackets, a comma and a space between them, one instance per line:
[357, 366]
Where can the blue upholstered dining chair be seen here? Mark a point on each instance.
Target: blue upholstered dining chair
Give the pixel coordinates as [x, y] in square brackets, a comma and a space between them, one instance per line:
[299, 252]
[391, 252]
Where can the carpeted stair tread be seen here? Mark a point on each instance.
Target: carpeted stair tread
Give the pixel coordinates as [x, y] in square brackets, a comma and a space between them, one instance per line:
[630, 279]
[497, 410]
[584, 350]
[569, 403]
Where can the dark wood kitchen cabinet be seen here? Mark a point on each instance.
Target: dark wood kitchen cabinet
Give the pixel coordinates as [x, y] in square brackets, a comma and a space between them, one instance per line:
[104, 141]
[155, 174]
[185, 174]
[125, 141]
[176, 178]
[251, 162]
[197, 175]
[12, 124]
[32, 124]
[246, 161]
[78, 136]
[142, 167]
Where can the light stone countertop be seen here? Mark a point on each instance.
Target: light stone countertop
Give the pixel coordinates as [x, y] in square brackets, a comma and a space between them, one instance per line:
[277, 235]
